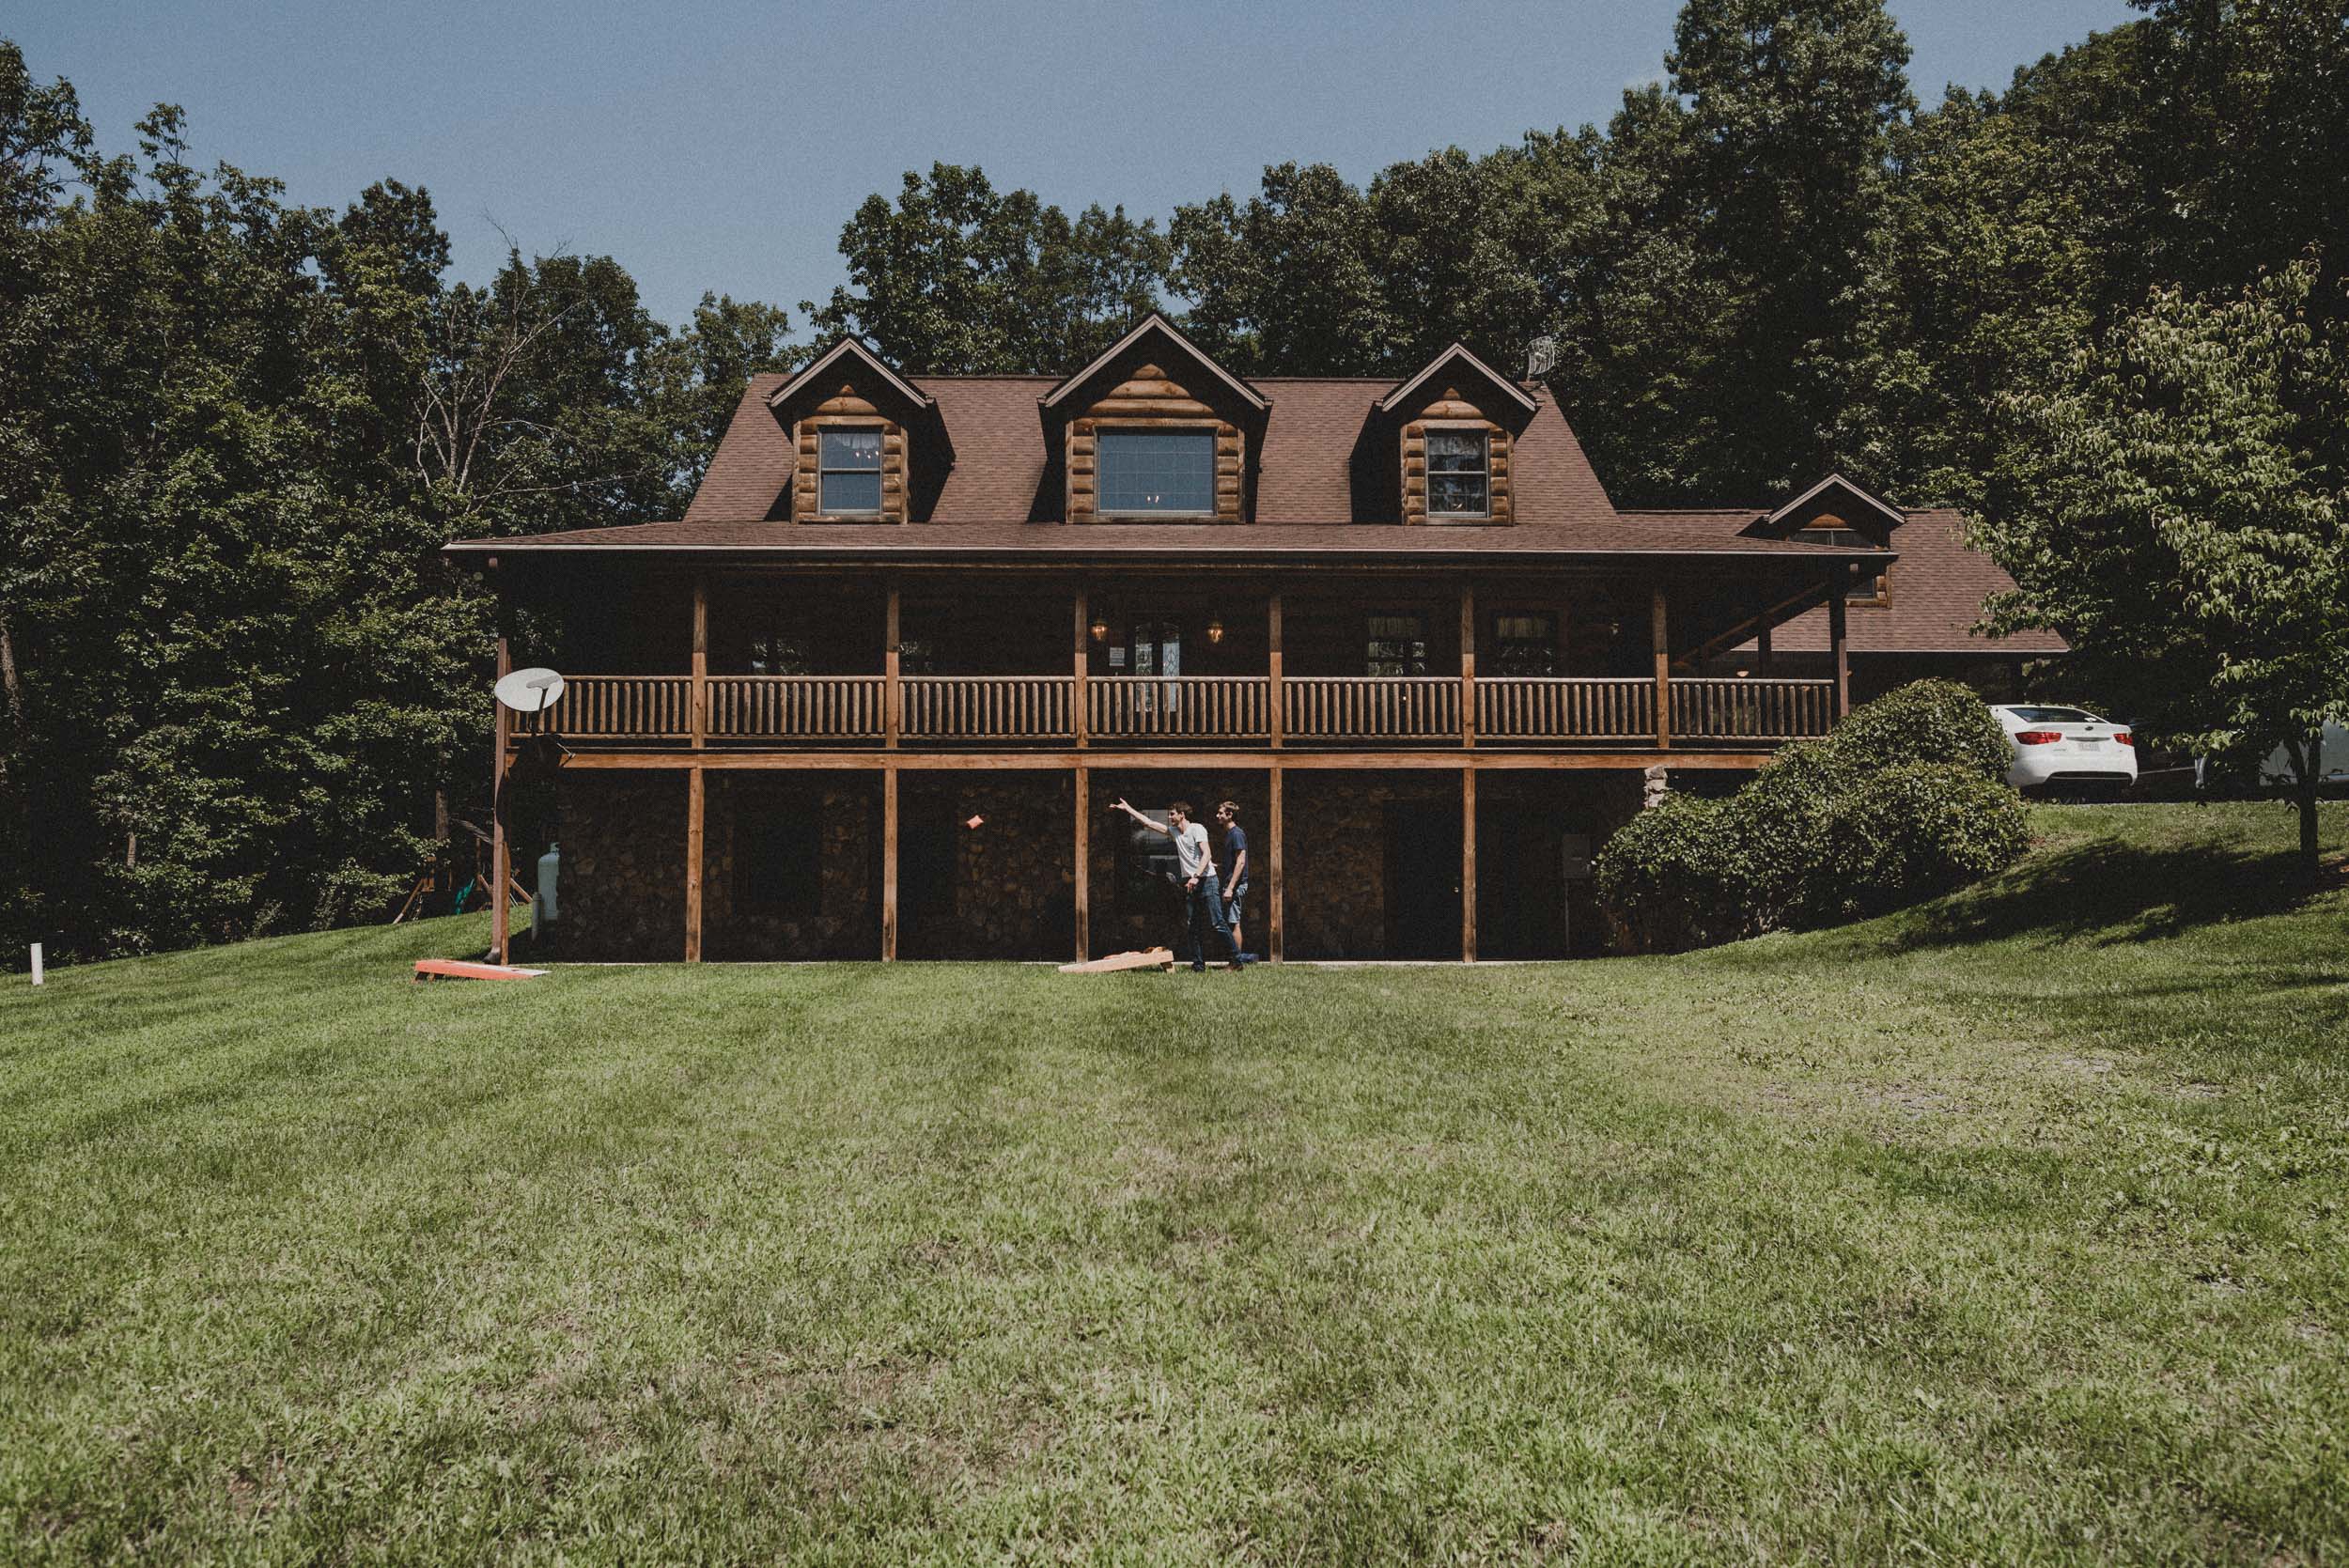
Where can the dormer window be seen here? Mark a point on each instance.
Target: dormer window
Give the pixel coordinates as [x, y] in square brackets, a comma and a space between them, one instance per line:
[1165, 472]
[1459, 474]
[849, 479]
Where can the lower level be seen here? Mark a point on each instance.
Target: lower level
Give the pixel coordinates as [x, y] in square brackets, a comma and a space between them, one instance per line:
[991, 862]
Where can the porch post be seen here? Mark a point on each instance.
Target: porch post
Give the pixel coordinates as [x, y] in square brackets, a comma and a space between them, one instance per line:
[889, 852]
[696, 790]
[700, 717]
[501, 853]
[1276, 717]
[1837, 587]
[892, 710]
[1272, 842]
[1081, 718]
[1762, 641]
[1467, 665]
[1084, 862]
[1468, 864]
[1663, 671]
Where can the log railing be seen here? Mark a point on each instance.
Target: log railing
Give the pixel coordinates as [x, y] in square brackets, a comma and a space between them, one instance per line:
[1390, 707]
[1177, 707]
[1750, 709]
[1536, 707]
[805, 707]
[616, 708]
[987, 707]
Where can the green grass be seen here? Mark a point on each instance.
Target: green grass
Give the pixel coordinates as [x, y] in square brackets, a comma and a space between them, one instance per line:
[2010, 1228]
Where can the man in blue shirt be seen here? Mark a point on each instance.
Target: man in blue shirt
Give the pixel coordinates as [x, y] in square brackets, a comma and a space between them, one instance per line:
[1203, 907]
[1235, 869]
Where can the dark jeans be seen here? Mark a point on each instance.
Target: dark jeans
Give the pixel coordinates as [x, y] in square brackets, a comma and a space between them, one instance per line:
[1205, 913]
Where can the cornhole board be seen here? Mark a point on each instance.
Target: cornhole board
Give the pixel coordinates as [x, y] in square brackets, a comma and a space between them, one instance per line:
[455, 968]
[1148, 958]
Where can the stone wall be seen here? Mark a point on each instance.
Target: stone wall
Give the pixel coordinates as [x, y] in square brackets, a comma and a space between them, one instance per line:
[843, 918]
[1004, 889]
[621, 888]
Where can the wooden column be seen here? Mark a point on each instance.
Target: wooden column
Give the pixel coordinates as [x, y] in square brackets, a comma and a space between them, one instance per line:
[1838, 612]
[1468, 865]
[700, 719]
[1468, 664]
[889, 854]
[1081, 718]
[696, 792]
[1272, 854]
[1276, 718]
[893, 708]
[1085, 860]
[1762, 643]
[1659, 636]
[500, 848]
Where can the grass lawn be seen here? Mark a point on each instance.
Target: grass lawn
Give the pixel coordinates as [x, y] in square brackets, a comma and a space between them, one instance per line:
[2010, 1228]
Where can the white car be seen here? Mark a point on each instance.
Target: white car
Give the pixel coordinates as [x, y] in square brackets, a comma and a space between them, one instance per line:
[2060, 747]
[2332, 763]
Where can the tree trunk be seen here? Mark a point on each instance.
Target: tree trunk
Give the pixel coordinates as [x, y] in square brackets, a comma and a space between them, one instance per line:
[2308, 765]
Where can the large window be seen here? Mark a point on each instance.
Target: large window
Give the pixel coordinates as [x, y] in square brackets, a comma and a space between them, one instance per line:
[1525, 644]
[1156, 471]
[849, 476]
[1459, 474]
[1394, 645]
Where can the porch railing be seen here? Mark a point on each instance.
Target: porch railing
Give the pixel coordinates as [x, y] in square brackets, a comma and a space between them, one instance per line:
[1537, 707]
[805, 707]
[987, 707]
[1750, 709]
[1390, 707]
[1178, 707]
[617, 708]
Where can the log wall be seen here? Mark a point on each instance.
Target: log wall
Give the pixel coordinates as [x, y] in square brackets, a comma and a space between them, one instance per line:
[846, 409]
[1450, 411]
[1150, 399]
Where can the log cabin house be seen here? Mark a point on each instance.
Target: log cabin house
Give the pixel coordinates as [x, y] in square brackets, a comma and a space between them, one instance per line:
[873, 695]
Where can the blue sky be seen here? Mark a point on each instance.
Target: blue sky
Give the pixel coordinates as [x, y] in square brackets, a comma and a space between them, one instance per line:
[721, 145]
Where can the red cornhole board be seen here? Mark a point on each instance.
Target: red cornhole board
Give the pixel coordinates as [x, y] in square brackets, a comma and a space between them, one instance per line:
[453, 969]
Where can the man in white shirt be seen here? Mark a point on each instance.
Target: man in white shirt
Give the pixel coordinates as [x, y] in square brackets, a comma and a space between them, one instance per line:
[1197, 869]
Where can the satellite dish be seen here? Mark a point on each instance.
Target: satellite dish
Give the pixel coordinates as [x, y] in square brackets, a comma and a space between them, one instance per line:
[530, 690]
[1541, 358]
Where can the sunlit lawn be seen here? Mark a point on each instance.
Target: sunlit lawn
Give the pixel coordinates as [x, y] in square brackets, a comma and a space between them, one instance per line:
[2009, 1230]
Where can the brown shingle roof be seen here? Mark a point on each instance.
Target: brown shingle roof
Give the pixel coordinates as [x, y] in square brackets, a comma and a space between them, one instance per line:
[1936, 589]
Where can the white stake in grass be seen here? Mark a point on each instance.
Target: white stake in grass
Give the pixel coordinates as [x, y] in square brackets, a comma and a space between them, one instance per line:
[37, 963]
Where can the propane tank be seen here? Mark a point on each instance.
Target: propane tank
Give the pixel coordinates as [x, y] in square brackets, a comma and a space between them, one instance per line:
[542, 910]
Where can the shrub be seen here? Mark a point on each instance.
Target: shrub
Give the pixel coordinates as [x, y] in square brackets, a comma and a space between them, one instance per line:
[1931, 720]
[1912, 832]
[1906, 799]
[1669, 880]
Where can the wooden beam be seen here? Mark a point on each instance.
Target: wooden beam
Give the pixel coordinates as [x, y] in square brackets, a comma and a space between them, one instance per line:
[947, 762]
[501, 853]
[1468, 664]
[889, 863]
[1660, 635]
[1762, 645]
[1273, 826]
[1078, 714]
[1838, 612]
[1276, 718]
[696, 791]
[892, 710]
[1084, 864]
[1468, 865]
[700, 720]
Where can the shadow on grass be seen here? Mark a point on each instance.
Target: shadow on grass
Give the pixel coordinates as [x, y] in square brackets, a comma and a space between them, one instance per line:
[2106, 892]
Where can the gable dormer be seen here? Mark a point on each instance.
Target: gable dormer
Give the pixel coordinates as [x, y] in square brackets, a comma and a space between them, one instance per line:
[1456, 424]
[854, 424]
[1154, 430]
[1835, 511]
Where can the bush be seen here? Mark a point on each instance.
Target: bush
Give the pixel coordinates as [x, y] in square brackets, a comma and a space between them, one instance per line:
[1905, 800]
[1668, 882]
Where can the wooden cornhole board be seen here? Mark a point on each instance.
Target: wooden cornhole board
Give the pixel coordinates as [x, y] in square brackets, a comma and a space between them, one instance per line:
[1148, 958]
[456, 968]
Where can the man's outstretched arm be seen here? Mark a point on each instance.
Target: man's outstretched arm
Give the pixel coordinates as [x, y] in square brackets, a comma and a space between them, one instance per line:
[1150, 822]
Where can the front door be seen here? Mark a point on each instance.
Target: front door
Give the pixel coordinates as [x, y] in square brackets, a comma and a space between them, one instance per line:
[1155, 648]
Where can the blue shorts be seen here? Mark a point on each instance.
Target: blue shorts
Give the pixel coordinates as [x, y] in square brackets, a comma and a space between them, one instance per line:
[1238, 892]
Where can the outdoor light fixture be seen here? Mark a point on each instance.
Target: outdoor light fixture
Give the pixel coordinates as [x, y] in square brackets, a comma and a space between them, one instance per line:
[1100, 628]
[1215, 630]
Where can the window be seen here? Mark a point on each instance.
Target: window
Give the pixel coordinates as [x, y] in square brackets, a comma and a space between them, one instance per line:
[778, 865]
[1866, 588]
[1395, 646]
[778, 652]
[849, 479]
[1156, 471]
[1525, 644]
[1459, 474]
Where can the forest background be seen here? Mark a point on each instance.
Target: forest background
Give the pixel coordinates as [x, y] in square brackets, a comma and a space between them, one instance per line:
[240, 692]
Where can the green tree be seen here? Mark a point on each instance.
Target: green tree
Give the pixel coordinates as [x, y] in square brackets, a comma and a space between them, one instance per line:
[2180, 517]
